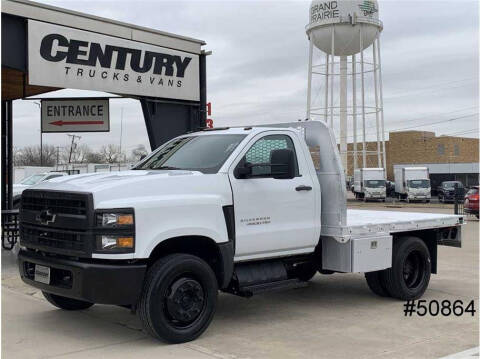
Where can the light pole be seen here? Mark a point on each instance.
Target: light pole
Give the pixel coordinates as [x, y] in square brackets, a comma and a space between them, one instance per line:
[41, 134]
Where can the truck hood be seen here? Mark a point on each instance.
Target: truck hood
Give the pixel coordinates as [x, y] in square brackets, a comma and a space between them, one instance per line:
[132, 186]
[19, 188]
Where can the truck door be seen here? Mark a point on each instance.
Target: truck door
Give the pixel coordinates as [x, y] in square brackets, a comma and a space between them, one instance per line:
[273, 216]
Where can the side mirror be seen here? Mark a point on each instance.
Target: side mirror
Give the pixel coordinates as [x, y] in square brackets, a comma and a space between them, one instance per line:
[283, 163]
[244, 171]
[142, 157]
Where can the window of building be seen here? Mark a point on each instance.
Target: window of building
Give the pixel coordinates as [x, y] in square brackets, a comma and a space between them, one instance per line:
[456, 150]
[441, 149]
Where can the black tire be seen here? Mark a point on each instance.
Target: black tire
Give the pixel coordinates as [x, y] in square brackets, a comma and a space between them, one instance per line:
[376, 283]
[178, 299]
[306, 271]
[66, 303]
[409, 275]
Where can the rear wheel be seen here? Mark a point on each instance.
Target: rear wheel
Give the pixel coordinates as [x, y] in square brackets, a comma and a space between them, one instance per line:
[376, 283]
[409, 275]
[178, 299]
[66, 303]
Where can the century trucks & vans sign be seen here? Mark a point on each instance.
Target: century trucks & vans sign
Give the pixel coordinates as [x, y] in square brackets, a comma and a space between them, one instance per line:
[75, 115]
[60, 56]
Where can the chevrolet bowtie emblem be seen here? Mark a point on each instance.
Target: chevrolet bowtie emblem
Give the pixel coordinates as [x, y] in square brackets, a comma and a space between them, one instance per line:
[46, 217]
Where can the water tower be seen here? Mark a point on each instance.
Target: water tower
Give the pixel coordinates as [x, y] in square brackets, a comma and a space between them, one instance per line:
[341, 30]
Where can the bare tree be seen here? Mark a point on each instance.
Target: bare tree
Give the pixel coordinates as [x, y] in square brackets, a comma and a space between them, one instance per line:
[30, 156]
[94, 157]
[138, 152]
[111, 153]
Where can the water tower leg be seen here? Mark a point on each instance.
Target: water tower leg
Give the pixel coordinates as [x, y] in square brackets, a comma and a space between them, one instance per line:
[382, 120]
[309, 90]
[333, 76]
[343, 111]
[326, 89]
[354, 110]
[362, 70]
[377, 109]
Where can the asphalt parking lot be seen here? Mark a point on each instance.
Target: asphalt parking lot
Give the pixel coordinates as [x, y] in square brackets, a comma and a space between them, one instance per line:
[336, 316]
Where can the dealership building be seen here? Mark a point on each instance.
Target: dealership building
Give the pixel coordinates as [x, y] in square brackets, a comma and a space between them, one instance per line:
[47, 48]
[447, 157]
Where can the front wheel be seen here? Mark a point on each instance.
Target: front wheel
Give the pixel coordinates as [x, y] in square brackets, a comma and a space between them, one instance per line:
[306, 271]
[66, 303]
[178, 298]
[409, 275]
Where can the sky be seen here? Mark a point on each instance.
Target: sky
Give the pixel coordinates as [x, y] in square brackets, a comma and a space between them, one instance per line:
[257, 72]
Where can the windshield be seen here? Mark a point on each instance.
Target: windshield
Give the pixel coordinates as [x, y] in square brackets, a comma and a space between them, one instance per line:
[374, 183]
[197, 153]
[33, 179]
[472, 191]
[452, 184]
[418, 183]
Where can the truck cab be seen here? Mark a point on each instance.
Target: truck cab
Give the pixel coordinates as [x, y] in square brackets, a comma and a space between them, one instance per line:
[242, 210]
[412, 184]
[370, 184]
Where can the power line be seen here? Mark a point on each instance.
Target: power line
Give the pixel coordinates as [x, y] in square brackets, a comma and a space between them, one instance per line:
[461, 132]
[421, 125]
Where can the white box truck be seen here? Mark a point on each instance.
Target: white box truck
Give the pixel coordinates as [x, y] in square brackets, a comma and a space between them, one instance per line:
[369, 183]
[412, 183]
[241, 210]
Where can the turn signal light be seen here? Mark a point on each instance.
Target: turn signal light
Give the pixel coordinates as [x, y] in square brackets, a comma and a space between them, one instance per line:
[125, 219]
[125, 242]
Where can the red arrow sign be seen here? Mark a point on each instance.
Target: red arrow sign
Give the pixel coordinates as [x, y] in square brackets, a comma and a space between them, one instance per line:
[61, 123]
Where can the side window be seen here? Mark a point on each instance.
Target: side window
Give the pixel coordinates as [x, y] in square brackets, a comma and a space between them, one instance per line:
[261, 152]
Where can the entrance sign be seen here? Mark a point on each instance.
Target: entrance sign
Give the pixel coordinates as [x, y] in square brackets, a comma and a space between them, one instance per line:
[60, 56]
[75, 115]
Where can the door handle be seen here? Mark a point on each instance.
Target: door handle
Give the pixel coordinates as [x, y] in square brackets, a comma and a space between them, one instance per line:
[303, 188]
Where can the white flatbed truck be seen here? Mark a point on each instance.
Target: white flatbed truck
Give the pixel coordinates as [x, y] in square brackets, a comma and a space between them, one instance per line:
[242, 210]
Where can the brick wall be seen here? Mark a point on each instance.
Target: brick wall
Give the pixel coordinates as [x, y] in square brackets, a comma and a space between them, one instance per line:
[418, 147]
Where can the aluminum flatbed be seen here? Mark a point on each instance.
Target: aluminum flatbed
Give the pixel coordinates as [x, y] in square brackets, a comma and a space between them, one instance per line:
[361, 223]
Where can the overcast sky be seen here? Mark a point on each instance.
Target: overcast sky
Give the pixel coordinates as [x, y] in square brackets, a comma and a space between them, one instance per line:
[258, 70]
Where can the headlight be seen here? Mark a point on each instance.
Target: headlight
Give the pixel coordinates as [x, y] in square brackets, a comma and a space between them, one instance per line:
[115, 231]
[109, 242]
[115, 219]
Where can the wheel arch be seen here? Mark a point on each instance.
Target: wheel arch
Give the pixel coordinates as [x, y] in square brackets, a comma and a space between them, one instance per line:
[429, 237]
[219, 256]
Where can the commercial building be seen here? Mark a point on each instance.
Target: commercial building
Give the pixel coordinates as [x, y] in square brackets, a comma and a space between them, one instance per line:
[448, 157]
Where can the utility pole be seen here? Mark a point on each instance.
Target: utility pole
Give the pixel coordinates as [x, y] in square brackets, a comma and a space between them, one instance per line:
[41, 133]
[121, 135]
[58, 152]
[72, 146]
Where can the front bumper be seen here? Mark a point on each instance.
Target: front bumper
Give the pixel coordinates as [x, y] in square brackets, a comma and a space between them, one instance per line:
[118, 283]
[375, 195]
[419, 196]
[470, 210]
